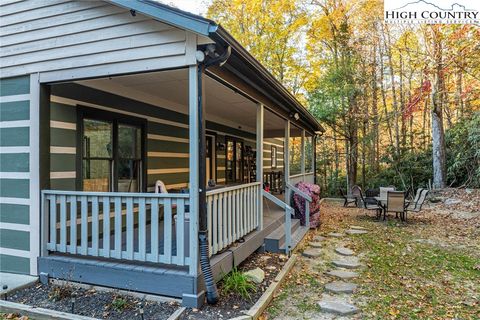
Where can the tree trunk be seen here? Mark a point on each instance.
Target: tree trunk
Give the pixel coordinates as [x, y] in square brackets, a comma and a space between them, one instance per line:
[438, 135]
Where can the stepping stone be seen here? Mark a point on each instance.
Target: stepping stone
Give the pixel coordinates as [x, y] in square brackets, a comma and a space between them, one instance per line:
[340, 287]
[355, 231]
[347, 264]
[337, 306]
[312, 253]
[335, 235]
[343, 274]
[315, 244]
[358, 228]
[319, 238]
[344, 251]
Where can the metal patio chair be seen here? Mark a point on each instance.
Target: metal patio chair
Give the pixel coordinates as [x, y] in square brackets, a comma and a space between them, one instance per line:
[416, 206]
[395, 203]
[347, 199]
[371, 203]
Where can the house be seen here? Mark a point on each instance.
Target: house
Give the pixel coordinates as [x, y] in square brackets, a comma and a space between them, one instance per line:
[106, 103]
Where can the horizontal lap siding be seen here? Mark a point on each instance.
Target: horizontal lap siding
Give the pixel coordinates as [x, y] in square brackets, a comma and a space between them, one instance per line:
[84, 36]
[63, 143]
[14, 175]
[267, 154]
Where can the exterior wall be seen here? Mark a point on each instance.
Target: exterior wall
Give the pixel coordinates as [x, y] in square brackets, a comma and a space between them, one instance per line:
[86, 38]
[18, 176]
[267, 154]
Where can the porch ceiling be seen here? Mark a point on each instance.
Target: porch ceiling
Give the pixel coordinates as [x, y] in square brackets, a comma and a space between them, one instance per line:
[169, 89]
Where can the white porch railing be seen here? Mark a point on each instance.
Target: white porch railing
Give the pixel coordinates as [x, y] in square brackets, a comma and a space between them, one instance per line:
[130, 226]
[232, 213]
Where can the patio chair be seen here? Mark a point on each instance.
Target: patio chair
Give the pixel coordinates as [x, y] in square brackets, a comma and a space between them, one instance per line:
[371, 204]
[357, 193]
[416, 206]
[384, 190]
[347, 199]
[395, 203]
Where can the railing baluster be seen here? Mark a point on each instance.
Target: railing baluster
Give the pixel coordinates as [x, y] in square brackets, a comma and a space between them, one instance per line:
[142, 222]
[84, 226]
[180, 231]
[53, 222]
[225, 221]
[307, 213]
[236, 230]
[167, 239]
[130, 230]
[154, 229]
[209, 222]
[106, 227]
[73, 224]
[63, 223]
[220, 221]
[214, 230]
[95, 226]
[118, 227]
[230, 217]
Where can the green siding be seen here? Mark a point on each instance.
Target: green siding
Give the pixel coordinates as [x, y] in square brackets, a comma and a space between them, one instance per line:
[167, 130]
[167, 146]
[13, 137]
[14, 264]
[63, 112]
[62, 162]
[14, 213]
[15, 110]
[15, 188]
[168, 178]
[63, 184]
[15, 239]
[167, 163]
[63, 137]
[14, 86]
[14, 162]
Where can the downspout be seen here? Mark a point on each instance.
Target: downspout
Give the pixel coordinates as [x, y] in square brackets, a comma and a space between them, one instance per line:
[212, 59]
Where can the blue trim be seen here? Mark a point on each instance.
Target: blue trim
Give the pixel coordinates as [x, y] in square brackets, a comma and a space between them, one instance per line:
[169, 15]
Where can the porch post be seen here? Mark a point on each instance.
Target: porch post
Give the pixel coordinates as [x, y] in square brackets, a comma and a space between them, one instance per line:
[286, 161]
[314, 158]
[259, 163]
[194, 166]
[302, 155]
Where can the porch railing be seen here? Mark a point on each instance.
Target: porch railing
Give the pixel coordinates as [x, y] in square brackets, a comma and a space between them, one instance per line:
[307, 198]
[232, 213]
[129, 226]
[288, 218]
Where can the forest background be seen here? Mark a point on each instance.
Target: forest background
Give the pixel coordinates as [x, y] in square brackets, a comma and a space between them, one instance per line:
[400, 103]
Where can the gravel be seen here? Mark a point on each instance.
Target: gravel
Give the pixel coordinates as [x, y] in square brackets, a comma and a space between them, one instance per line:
[92, 303]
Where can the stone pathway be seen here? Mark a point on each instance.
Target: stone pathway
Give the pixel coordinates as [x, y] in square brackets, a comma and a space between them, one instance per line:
[339, 300]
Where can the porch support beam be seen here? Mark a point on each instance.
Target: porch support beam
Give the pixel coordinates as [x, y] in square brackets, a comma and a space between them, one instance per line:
[302, 155]
[286, 161]
[259, 162]
[193, 166]
[314, 158]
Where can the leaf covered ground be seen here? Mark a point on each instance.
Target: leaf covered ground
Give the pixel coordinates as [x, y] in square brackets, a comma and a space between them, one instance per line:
[428, 268]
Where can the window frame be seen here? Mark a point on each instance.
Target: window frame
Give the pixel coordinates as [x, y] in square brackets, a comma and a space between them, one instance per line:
[273, 151]
[116, 119]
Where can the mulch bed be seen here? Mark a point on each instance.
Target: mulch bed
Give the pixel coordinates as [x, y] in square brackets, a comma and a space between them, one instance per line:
[92, 303]
[232, 305]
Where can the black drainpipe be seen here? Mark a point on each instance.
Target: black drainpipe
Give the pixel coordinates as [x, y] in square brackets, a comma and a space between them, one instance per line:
[212, 293]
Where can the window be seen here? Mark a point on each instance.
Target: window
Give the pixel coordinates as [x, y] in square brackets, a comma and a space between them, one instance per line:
[273, 156]
[234, 161]
[112, 152]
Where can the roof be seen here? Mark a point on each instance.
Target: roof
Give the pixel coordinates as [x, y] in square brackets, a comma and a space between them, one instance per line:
[240, 60]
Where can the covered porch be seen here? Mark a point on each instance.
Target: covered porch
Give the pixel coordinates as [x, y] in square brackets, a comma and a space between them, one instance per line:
[115, 142]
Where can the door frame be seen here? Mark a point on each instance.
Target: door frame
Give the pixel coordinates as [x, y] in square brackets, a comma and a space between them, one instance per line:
[115, 118]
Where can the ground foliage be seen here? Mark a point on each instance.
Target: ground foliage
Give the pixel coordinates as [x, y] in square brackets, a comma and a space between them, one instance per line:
[428, 268]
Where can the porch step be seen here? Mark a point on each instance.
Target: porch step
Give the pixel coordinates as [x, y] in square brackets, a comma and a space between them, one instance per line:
[275, 240]
[297, 236]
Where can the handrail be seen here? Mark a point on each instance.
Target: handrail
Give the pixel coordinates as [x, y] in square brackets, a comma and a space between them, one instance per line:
[288, 218]
[232, 188]
[117, 194]
[300, 192]
[308, 200]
